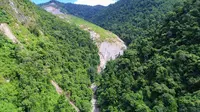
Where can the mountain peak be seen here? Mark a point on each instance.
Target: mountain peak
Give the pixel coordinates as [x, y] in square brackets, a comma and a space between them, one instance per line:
[53, 0]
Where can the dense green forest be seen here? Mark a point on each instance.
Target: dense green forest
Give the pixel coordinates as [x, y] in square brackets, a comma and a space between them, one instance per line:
[49, 49]
[130, 19]
[83, 11]
[159, 73]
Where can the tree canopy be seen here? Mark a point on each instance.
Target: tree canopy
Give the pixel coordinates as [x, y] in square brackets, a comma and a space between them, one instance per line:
[130, 19]
[160, 73]
[49, 49]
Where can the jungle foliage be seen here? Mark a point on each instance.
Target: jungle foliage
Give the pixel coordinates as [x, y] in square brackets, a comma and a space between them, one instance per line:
[160, 73]
[83, 11]
[131, 19]
[49, 49]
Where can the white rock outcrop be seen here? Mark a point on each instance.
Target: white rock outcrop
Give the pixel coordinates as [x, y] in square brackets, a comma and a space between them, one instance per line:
[4, 28]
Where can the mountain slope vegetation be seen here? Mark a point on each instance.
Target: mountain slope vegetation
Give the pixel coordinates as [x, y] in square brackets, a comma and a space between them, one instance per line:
[110, 46]
[130, 19]
[49, 49]
[56, 8]
[51, 63]
[83, 11]
[160, 73]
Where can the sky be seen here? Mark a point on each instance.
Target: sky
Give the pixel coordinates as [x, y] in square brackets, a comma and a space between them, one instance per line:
[85, 2]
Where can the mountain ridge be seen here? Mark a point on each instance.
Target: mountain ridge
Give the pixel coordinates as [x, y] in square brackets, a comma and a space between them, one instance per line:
[83, 11]
[160, 72]
[130, 19]
[105, 53]
[62, 63]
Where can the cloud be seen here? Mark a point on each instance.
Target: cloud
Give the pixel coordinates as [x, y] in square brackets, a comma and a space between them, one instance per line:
[95, 2]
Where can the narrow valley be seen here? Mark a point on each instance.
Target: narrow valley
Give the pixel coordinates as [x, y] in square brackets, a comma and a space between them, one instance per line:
[109, 48]
[99, 56]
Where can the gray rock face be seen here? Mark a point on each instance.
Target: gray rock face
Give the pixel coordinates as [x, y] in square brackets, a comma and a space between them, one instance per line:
[94, 101]
[108, 50]
[18, 14]
[53, 10]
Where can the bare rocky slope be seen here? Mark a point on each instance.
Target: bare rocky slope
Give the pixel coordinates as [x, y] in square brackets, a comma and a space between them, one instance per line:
[7, 32]
[109, 49]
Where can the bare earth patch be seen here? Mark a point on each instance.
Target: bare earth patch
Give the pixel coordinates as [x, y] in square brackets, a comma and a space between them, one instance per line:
[108, 49]
[60, 91]
[52, 9]
[4, 28]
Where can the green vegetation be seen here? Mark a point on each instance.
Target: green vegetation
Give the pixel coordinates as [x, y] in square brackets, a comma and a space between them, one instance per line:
[131, 19]
[3, 17]
[83, 11]
[73, 12]
[160, 73]
[104, 34]
[49, 49]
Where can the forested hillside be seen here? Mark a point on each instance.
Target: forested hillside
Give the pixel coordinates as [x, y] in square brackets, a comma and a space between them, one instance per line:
[130, 19]
[160, 73]
[47, 49]
[47, 64]
[83, 11]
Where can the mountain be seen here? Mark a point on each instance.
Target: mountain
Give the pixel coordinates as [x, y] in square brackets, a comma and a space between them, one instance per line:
[130, 19]
[48, 63]
[43, 56]
[58, 62]
[159, 73]
[109, 44]
[83, 11]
